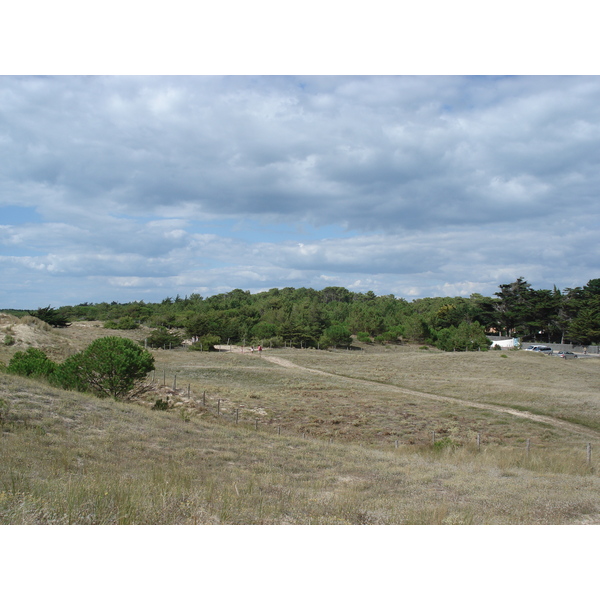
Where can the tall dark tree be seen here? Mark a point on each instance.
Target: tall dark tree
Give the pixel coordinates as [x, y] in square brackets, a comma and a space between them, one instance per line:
[51, 316]
[512, 305]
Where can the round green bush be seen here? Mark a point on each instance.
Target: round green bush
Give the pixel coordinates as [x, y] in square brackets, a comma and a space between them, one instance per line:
[110, 366]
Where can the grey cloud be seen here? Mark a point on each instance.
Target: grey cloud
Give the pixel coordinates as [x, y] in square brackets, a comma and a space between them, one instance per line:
[451, 182]
[243, 146]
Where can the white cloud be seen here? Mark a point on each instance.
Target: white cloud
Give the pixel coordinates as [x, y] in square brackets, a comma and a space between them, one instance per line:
[442, 184]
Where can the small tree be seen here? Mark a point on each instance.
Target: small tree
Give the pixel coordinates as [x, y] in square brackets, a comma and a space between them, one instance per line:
[163, 338]
[110, 366]
[336, 335]
[206, 343]
[50, 316]
[122, 323]
[465, 337]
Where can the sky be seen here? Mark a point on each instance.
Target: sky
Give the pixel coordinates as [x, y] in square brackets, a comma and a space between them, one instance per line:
[122, 188]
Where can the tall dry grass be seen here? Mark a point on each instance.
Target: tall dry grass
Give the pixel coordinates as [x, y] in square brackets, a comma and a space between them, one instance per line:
[68, 458]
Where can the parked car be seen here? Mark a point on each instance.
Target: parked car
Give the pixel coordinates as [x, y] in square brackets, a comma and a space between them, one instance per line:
[540, 348]
[567, 354]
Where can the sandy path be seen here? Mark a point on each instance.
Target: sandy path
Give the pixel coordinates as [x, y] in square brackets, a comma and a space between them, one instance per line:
[565, 425]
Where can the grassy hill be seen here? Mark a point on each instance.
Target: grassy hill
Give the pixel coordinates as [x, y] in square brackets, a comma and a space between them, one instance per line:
[309, 437]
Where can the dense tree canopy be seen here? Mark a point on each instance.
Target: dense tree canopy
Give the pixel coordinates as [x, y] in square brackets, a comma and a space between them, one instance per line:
[308, 317]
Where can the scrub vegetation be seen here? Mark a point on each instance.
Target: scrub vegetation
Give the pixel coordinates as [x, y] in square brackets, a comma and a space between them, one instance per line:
[358, 410]
[330, 317]
[378, 435]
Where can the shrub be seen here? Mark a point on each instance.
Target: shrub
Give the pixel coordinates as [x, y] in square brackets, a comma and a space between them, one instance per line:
[110, 366]
[50, 316]
[9, 340]
[160, 404]
[336, 335]
[163, 338]
[364, 337]
[445, 443]
[123, 323]
[206, 343]
[465, 337]
[31, 363]
[69, 374]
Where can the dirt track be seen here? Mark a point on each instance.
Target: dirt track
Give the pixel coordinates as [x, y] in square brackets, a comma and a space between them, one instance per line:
[565, 425]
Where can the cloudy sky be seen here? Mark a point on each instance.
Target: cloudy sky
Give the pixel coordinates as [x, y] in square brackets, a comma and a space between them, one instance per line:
[138, 188]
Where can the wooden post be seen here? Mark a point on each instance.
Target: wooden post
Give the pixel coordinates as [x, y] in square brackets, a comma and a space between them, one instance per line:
[528, 446]
[164, 377]
[237, 415]
[433, 436]
[188, 391]
[279, 430]
[175, 382]
[589, 453]
[256, 424]
[396, 444]
[478, 442]
[303, 435]
[218, 407]
[204, 398]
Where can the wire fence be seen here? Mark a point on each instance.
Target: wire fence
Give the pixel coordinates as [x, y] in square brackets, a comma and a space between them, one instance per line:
[185, 399]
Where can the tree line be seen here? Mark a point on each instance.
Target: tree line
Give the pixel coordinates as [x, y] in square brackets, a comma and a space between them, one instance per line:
[304, 317]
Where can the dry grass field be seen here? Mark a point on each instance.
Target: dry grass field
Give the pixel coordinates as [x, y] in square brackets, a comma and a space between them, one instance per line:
[306, 437]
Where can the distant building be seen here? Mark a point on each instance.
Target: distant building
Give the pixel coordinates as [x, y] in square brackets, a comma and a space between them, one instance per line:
[504, 342]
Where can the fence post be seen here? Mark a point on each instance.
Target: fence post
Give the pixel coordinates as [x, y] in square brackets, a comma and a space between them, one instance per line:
[188, 391]
[218, 406]
[164, 377]
[279, 430]
[256, 424]
[396, 444]
[175, 382]
[528, 446]
[433, 436]
[204, 398]
[237, 415]
[589, 453]
[478, 442]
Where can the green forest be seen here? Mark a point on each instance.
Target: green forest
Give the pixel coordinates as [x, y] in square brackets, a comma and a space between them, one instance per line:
[305, 317]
